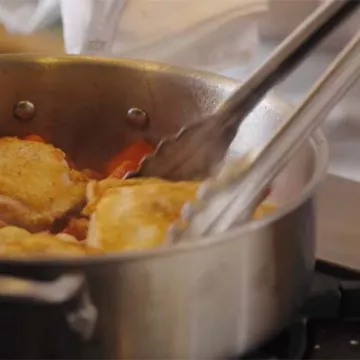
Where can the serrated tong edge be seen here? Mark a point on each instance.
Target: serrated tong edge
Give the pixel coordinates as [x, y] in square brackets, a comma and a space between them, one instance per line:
[288, 55]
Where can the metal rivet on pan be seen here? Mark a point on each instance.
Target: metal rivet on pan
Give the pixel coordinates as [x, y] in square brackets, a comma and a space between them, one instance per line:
[24, 110]
[138, 118]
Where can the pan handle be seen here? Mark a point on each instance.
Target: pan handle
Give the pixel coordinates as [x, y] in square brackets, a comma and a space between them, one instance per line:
[81, 320]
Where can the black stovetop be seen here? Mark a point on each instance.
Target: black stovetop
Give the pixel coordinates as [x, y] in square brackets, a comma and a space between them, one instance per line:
[329, 325]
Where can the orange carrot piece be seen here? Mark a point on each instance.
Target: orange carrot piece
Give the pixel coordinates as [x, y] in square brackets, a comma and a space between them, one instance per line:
[128, 159]
[124, 168]
[33, 137]
[77, 228]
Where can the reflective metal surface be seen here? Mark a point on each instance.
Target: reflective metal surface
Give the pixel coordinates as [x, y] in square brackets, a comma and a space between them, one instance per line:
[212, 299]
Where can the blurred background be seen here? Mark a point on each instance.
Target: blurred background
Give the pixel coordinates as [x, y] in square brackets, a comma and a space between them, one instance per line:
[274, 25]
[219, 47]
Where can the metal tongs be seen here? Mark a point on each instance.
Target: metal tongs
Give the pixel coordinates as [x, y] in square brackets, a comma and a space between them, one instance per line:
[232, 195]
[195, 149]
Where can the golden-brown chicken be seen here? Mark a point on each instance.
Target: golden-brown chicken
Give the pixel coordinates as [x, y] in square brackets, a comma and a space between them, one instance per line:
[17, 242]
[36, 184]
[134, 214]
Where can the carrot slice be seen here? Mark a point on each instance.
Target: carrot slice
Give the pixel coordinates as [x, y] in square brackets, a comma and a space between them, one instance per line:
[33, 137]
[77, 228]
[124, 168]
[128, 159]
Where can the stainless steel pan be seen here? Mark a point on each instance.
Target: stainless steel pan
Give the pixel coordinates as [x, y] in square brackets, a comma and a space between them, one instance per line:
[214, 298]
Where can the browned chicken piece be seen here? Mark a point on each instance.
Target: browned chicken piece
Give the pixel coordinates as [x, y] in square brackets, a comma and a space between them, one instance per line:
[96, 189]
[17, 242]
[134, 214]
[36, 184]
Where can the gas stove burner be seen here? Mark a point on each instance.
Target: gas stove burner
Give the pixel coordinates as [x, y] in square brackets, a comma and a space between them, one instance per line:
[334, 339]
[333, 328]
[291, 344]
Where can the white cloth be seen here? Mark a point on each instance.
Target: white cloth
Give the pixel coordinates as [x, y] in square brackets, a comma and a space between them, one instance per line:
[27, 16]
[205, 34]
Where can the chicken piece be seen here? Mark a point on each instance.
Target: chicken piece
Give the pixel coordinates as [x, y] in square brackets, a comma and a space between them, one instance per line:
[96, 189]
[17, 242]
[36, 184]
[134, 214]
[12, 233]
